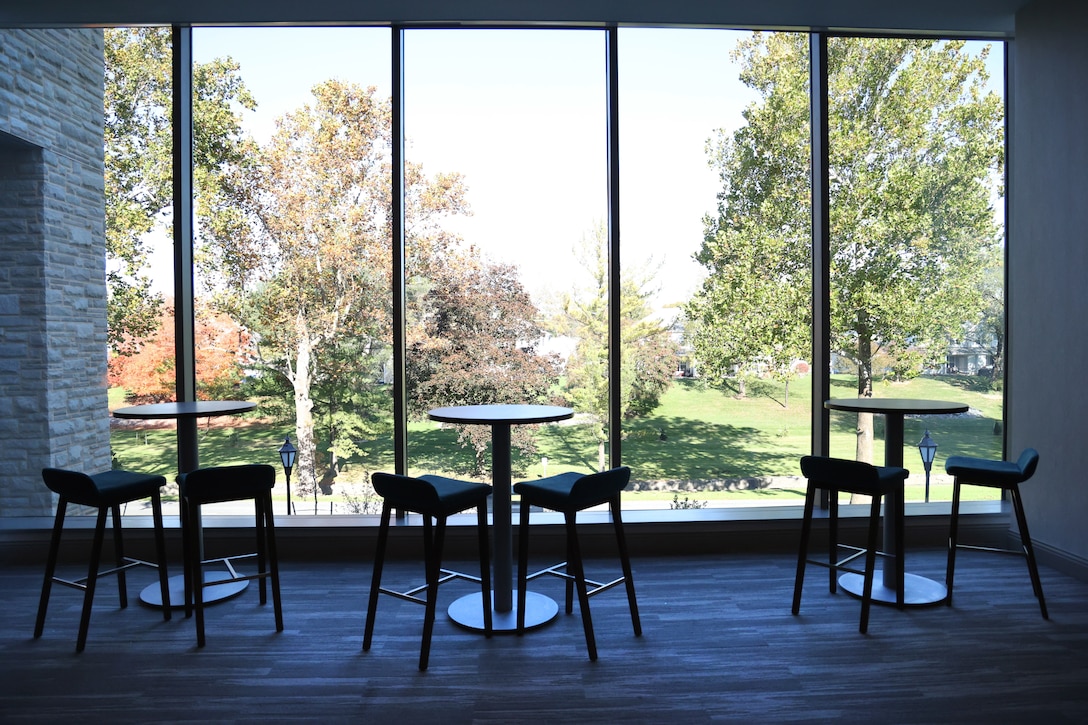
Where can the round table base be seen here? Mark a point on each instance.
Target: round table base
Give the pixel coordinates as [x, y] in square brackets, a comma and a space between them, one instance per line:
[152, 594]
[917, 591]
[468, 612]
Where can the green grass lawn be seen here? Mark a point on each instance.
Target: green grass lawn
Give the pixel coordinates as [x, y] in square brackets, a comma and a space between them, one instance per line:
[696, 435]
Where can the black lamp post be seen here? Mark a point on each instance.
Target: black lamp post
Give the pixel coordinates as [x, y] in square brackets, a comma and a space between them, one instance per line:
[287, 455]
[928, 448]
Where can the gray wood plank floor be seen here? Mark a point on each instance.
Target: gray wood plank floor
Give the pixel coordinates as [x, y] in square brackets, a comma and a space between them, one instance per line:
[719, 644]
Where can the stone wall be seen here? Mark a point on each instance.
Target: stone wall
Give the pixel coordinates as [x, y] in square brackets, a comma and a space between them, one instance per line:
[53, 409]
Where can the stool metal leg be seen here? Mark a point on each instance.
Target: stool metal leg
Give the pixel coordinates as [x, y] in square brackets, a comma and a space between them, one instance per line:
[376, 577]
[50, 566]
[433, 539]
[119, 555]
[870, 564]
[160, 552]
[187, 564]
[262, 561]
[575, 562]
[833, 541]
[196, 569]
[953, 540]
[802, 553]
[273, 560]
[1029, 550]
[571, 556]
[92, 579]
[625, 563]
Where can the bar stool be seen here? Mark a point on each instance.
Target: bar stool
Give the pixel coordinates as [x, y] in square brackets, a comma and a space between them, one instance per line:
[994, 474]
[570, 493]
[215, 485]
[105, 492]
[438, 498]
[836, 475]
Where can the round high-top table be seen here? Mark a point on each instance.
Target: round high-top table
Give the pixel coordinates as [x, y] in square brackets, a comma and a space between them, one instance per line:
[468, 610]
[186, 414]
[917, 590]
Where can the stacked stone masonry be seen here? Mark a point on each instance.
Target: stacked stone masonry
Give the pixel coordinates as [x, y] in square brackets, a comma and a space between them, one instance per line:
[53, 405]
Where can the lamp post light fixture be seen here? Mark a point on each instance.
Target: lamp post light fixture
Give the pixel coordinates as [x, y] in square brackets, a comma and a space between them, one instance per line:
[287, 456]
[928, 448]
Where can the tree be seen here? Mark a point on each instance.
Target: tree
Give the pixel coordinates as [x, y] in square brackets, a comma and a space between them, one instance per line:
[648, 356]
[473, 342]
[988, 331]
[138, 163]
[915, 143]
[148, 373]
[304, 256]
[753, 316]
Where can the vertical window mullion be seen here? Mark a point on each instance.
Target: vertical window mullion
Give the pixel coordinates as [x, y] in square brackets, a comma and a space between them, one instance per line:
[182, 130]
[400, 400]
[821, 244]
[614, 305]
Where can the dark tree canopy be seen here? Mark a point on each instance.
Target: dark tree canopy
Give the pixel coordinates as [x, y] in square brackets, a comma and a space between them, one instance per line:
[473, 342]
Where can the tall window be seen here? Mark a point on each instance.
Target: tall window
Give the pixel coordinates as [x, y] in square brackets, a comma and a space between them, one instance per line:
[506, 279]
[916, 242]
[139, 242]
[506, 249]
[715, 124]
[293, 156]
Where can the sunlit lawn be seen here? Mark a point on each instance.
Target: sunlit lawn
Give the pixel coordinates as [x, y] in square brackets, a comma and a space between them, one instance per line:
[697, 435]
[711, 434]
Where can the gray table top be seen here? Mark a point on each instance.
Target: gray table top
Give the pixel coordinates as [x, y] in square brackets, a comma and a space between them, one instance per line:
[499, 413]
[189, 409]
[895, 405]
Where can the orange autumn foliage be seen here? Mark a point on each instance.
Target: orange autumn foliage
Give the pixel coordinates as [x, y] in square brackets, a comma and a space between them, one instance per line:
[148, 375]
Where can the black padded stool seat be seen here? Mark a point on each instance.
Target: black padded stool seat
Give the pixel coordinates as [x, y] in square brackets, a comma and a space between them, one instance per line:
[438, 498]
[839, 475]
[1007, 476]
[570, 493]
[228, 483]
[105, 492]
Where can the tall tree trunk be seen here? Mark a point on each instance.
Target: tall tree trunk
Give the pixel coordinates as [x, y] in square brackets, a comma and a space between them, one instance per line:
[864, 450]
[865, 390]
[301, 381]
[602, 459]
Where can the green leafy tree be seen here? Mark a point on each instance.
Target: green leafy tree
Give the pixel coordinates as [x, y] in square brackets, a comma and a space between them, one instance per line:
[351, 404]
[304, 257]
[138, 164]
[649, 354]
[915, 144]
[753, 317]
[988, 331]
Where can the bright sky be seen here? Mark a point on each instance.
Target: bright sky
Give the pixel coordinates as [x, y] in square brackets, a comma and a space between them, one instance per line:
[521, 114]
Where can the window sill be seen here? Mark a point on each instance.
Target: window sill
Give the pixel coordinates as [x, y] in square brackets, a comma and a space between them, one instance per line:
[649, 531]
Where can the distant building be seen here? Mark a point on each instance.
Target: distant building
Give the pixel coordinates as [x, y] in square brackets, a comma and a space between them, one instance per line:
[967, 358]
